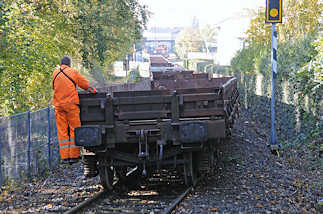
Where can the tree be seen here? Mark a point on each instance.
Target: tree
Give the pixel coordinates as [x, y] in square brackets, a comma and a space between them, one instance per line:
[188, 40]
[299, 55]
[107, 29]
[209, 36]
[195, 40]
[299, 18]
[28, 57]
[259, 32]
[35, 34]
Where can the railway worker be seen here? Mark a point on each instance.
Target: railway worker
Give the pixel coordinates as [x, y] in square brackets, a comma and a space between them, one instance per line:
[66, 101]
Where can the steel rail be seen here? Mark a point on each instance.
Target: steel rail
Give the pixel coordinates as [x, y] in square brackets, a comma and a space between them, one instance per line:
[85, 203]
[167, 210]
[178, 200]
[172, 206]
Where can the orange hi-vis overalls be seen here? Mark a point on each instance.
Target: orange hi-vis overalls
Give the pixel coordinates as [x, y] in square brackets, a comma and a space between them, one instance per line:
[67, 111]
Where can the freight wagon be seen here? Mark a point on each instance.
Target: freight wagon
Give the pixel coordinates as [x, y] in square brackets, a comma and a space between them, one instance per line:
[174, 124]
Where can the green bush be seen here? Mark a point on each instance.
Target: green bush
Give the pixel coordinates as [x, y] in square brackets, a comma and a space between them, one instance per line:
[245, 59]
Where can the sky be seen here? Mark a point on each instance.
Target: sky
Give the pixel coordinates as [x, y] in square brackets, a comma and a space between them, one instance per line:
[230, 15]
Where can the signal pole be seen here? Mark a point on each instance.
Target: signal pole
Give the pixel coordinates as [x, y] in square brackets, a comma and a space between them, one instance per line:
[273, 15]
[273, 134]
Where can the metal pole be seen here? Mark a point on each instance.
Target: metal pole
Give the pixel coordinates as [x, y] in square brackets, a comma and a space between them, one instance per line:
[28, 146]
[127, 67]
[134, 53]
[0, 163]
[273, 134]
[49, 133]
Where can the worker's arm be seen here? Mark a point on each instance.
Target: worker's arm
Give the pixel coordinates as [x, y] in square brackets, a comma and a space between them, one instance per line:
[83, 83]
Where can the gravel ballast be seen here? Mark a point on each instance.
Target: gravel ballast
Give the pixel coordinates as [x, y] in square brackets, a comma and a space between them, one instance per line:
[248, 179]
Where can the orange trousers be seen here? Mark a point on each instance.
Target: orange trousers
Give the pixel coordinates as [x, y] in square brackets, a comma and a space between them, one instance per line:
[67, 116]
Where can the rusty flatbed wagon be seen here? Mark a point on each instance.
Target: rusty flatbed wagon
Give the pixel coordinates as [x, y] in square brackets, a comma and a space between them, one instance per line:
[159, 61]
[174, 124]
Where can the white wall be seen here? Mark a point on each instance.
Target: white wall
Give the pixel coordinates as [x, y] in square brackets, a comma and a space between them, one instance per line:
[143, 68]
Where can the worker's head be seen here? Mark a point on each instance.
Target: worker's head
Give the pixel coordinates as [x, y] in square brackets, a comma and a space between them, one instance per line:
[66, 61]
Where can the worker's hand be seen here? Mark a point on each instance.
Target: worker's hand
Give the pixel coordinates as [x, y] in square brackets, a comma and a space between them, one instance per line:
[91, 90]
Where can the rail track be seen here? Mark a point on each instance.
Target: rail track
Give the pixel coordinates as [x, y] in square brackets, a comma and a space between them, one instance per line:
[153, 199]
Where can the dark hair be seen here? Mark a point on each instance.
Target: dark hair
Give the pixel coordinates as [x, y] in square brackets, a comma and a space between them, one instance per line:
[66, 61]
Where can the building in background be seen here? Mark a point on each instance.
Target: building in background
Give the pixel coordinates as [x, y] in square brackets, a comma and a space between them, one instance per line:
[160, 41]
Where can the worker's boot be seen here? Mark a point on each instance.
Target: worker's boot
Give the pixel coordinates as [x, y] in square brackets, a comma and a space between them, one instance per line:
[65, 161]
[73, 160]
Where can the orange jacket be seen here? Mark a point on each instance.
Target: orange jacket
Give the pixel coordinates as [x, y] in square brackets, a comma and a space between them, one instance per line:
[64, 89]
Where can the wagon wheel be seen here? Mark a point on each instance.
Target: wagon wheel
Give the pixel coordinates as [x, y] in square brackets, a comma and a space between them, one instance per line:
[190, 169]
[106, 177]
[132, 181]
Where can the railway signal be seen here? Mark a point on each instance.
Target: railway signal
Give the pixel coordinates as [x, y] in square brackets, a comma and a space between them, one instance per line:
[273, 15]
[274, 11]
